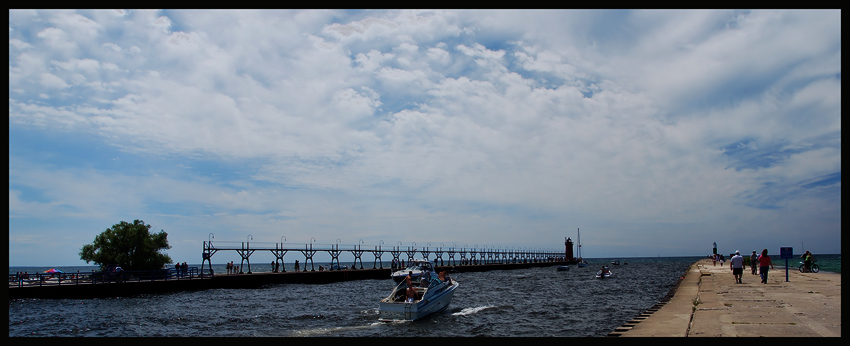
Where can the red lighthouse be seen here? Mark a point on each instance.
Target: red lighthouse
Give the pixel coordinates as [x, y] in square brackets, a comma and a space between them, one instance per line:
[568, 251]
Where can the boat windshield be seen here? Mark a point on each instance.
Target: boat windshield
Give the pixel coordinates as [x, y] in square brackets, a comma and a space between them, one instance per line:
[421, 266]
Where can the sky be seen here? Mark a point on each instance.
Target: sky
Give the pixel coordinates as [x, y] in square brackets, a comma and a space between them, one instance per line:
[653, 132]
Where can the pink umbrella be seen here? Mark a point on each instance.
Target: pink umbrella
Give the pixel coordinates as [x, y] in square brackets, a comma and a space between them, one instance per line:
[54, 270]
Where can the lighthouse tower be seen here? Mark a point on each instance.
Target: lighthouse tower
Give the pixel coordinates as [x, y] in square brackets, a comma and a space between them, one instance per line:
[568, 250]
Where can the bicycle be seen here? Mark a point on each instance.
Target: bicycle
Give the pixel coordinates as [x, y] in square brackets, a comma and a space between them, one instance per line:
[814, 268]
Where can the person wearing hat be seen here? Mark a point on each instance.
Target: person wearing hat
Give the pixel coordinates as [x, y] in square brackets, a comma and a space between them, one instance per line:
[754, 262]
[737, 264]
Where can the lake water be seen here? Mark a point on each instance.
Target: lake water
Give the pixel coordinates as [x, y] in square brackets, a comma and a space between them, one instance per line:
[528, 302]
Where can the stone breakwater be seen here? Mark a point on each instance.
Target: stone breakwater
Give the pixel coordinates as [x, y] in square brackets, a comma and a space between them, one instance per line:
[629, 325]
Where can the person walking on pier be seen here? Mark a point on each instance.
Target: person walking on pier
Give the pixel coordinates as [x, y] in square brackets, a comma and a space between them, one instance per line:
[764, 265]
[737, 264]
[754, 262]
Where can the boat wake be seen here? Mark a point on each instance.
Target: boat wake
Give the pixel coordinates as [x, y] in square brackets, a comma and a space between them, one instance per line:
[470, 311]
[370, 312]
[332, 330]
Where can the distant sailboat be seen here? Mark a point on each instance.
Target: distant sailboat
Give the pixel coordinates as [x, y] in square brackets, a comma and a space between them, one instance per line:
[581, 262]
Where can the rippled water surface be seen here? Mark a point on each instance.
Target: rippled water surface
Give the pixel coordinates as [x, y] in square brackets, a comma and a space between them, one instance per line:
[527, 302]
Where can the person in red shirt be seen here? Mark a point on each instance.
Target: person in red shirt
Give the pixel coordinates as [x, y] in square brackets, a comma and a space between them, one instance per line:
[764, 265]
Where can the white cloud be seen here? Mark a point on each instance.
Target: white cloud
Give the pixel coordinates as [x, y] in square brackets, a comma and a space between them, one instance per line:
[51, 81]
[361, 29]
[372, 60]
[465, 124]
[438, 55]
[81, 28]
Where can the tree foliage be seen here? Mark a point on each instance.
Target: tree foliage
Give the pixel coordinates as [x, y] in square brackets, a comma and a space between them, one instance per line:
[129, 245]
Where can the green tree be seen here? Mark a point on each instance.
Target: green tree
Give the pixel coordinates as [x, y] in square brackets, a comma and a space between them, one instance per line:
[129, 245]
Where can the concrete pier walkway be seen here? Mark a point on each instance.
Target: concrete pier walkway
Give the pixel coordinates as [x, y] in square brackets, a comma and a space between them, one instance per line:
[85, 289]
[709, 303]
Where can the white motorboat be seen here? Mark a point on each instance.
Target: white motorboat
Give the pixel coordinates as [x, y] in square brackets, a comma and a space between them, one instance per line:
[415, 269]
[433, 298]
[603, 273]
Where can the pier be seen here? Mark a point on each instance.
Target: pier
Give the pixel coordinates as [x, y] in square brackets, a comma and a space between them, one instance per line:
[708, 303]
[452, 258]
[443, 256]
[83, 287]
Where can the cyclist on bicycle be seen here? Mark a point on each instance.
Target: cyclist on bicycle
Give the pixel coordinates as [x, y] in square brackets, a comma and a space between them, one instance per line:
[807, 260]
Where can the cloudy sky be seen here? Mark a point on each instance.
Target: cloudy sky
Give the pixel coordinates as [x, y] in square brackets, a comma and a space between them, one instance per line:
[656, 133]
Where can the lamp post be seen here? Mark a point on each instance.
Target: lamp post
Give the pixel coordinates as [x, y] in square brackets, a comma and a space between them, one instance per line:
[247, 250]
[380, 253]
[310, 257]
[282, 253]
[207, 255]
[337, 253]
[359, 253]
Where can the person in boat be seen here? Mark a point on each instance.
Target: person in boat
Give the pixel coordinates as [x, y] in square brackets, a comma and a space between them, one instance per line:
[410, 294]
[409, 279]
[425, 278]
[443, 276]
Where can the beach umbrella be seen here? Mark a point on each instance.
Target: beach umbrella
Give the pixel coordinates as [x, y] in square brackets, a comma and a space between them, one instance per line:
[54, 270]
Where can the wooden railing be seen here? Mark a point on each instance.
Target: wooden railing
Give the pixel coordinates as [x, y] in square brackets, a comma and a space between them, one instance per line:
[80, 278]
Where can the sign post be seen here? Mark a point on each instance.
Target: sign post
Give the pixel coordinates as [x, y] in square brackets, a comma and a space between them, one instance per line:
[786, 253]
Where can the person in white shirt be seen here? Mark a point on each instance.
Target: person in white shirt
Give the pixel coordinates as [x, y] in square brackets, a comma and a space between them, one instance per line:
[737, 264]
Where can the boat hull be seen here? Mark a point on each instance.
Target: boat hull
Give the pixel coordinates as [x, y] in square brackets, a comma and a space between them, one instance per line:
[437, 299]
